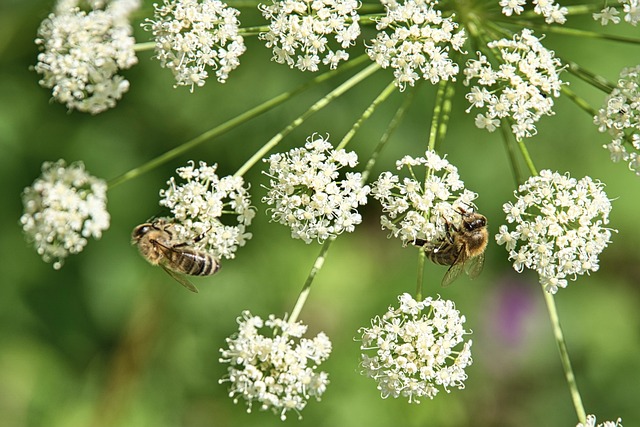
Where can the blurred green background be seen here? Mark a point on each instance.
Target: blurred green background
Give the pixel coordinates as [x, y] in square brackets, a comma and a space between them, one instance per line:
[110, 341]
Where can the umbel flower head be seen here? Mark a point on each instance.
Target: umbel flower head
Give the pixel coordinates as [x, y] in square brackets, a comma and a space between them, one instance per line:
[198, 206]
[630, 8]
[307, 195]
[520, 90]
[271, 365]
[300, 31]
[591, 422]
[194, 35]
[552, 11]
[620, 117]
[421, 208]
[416, 349]
[559, 227]
[82, 53]
[415, 40]
[62, 209]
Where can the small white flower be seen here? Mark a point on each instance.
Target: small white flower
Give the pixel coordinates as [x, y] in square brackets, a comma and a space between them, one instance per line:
[606, 15]
[415, 40]
[62, 209]
[415, 209]
[82, 53]
[307, 195]
[276, 368]
[193, 36]
[521, 89]
[591, 422]
[620, 117]
[552, 11]
[631, 9]
[417, 349]
[559, 227]
[300, 31]
[199, 204]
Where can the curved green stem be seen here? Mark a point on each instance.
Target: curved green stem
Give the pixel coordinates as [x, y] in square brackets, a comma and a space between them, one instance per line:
[230, 124]
[589, 77]
[422, 256]
[366, 114]
[326, 100]
[527, 157]
[564, 356]
[306, 288]
[513, 160]
[580, 102]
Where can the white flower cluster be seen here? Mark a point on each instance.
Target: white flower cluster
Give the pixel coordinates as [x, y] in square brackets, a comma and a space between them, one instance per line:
[418, 43]
[198, 206]
[591, 422]
[560, 227]
[277, 370]
[82, 54]
[306, 194]
[521, 89]
[631, 9]
[193, 35]
[552, 11]
[63, 208]
[621, 118]
[416, 209]
[299, 31]
[411, 351]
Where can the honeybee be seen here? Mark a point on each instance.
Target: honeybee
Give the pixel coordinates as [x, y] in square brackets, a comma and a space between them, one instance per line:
[461, 249]
[156, 243]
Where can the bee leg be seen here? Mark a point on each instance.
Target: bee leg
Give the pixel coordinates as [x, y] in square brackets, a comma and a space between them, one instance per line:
[448, 226]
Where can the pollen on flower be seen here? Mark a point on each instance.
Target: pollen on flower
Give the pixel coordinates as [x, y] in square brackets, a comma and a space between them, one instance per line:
[620, 117]
[559, 227]
[415, 39]
[195, 36]
[417, 349]
[300, 31]
[199, 204]
[307, 194]
[62, 209]
[273, 366]
[82, 53]
[421, 210]
[520, 90]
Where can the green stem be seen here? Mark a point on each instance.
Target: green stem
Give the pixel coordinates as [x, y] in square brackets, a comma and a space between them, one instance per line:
[580, 102]
[527, 157]
[513, 160]
[581, 9]
[393, 125]
[422, 255]
[141, 47]
[435, 118]
[253, 31]
[230, 124]
[366, 114]
[589, 77]
[571, 31]
[306, 288]
[326, 100]
[564, 356]
[446, 111]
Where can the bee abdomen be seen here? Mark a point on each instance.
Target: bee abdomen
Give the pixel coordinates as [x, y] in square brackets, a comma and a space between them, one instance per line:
[196, 263]
[443, 255]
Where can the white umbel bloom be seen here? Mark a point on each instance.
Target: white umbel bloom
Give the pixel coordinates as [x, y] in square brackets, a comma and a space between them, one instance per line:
[193, 36]
[420, 208]
[559, 227]
[630, 8]
[552, 11]
[521, 89]
[300, 31]
[271, 365]
[415, 40]
[307, 195]
[62, 209]
[416, 349]
[199, 205]
[82, 53]
[591, 422]
[620, 117]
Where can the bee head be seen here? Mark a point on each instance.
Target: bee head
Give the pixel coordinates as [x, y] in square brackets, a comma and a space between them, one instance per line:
[140, 231]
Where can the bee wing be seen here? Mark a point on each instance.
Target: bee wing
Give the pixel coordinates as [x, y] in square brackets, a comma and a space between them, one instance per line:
[474, 266]
[180, 279]
[454, 271]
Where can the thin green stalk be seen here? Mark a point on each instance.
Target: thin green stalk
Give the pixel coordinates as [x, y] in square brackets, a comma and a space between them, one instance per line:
[422, 256]
[446, 111]
[366, 114]
[580, 102]
[515, 166]
[253, 31]
[393, 125]
[571, 31]
[580, 9]
[527, 157]
[435, 118]
[231, 124]
[564, 356]
[141, 47]
[319, 105]
[589, 77]
[306, 288]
